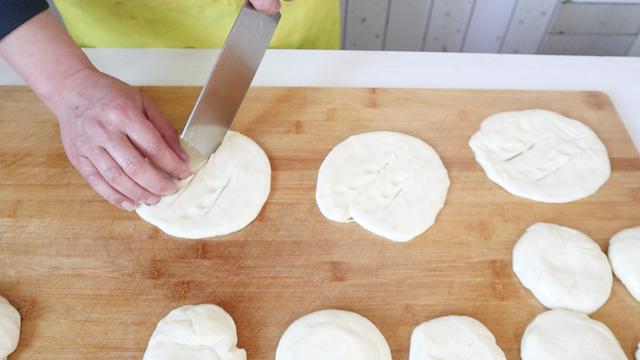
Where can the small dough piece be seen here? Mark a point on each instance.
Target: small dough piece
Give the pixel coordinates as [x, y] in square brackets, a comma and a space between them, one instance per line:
[224, 195]
[335, 335]
[454, 338]
[392, 184]
[624, 255]
[541, 155]
[563, 268]
[568, 335]
[195, 332]
[9, 328]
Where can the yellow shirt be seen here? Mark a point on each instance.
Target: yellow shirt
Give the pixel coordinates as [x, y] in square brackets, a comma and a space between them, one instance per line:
[308, 24]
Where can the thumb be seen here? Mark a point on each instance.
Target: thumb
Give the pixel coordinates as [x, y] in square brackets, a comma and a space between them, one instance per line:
[266, 6]
[164, 127]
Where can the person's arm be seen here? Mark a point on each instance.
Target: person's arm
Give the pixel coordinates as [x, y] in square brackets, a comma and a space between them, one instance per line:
[107, 127]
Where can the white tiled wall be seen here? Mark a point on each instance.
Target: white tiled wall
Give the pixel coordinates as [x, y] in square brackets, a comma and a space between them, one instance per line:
[593, 29]
[635, 48]
[407, 23]
[575, 27]
[365, 24]
[488, 25]
[528, 26]
[586, 27]
[447, 25]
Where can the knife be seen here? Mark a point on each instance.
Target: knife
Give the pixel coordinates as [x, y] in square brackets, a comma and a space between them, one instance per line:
[230, 78]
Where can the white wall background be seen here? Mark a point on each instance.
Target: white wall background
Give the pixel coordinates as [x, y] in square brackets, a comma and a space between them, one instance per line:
[565, 27]
[586, 27]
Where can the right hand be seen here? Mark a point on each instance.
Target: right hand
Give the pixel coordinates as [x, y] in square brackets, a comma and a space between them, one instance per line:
[117, 139]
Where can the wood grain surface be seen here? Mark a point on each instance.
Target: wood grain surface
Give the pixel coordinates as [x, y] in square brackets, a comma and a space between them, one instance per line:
[91, 281]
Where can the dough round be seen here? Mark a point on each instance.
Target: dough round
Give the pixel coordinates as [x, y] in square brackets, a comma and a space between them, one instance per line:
[196, 332]
[391, 184]
[568, 335]
[332, 334]
[563, 268]
[453, 338]
[223, 196]
[624, 255]
[541, 155]
[9, 328]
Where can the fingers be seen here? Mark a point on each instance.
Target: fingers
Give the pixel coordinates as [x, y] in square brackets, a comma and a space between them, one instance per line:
[137, 167]
[113, 174]
[146, 138]
[266, 6]
[97, 182]
[166, 130]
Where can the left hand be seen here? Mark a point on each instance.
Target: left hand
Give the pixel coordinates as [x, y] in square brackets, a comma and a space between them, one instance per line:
[266, 6]
[109, 130]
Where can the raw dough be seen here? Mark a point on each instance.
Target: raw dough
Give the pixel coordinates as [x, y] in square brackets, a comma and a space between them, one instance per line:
[624, 255]
[335, 335]
[563, 268]
[195, 332]
[9, 328]
[391, 184]
[541, 155]
[568, 335]
[223, 196]
[453, 338]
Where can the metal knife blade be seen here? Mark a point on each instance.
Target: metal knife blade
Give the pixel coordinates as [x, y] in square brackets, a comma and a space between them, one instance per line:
[230, 78]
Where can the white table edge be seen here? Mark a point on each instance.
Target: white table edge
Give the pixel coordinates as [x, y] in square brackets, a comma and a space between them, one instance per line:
[619, 77]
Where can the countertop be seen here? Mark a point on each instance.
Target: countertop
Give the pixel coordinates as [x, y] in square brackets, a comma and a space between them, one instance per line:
[619, 77]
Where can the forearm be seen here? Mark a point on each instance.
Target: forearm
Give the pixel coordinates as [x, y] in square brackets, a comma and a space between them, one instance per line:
[42, 53]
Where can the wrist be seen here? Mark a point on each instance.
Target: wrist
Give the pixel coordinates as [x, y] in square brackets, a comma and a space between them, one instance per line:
[45, 57]
[55, 93]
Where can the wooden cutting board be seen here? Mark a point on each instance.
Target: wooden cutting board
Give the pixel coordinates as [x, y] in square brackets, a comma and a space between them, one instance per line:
[91, 281]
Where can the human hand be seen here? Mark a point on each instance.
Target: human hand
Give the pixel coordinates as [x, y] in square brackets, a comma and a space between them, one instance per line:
[266, 6]
[107, 129]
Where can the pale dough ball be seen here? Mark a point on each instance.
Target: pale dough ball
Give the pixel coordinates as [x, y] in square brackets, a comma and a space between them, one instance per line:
[195, 332]
[563, 268]
[223, 196]
[392, 184]
[568, 335]
[541, 155]
[335, 335]
[624, 255]
[9, 328]
[453, 338]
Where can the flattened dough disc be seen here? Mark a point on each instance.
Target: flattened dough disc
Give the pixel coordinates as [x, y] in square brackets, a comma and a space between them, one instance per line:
[624, 255]
[9, 328]
[541, 155]
[195, 332]
[392, 184]
[569, 335]
[453, 338]
[332, 334]
[563, 268]
[223, 196]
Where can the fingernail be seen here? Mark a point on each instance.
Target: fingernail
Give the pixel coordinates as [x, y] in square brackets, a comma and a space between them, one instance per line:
[183, 155]
[127, 205]
[183, 175]
[152, 200]
[172, 190]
